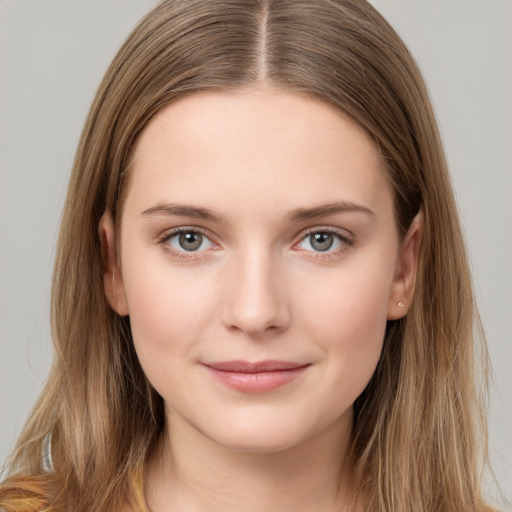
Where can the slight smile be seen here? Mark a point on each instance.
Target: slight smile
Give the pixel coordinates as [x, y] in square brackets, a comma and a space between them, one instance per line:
[257, 377]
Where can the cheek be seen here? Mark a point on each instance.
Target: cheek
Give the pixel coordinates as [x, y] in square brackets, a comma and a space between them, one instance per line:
[169, 312]
[348, 321]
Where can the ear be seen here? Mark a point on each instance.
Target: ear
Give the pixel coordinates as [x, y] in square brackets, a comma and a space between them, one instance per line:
[112, 277]
[402, 289]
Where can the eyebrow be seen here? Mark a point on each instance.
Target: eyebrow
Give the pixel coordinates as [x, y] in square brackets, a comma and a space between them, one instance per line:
[296, 215]
[182, 210]
[301, 214]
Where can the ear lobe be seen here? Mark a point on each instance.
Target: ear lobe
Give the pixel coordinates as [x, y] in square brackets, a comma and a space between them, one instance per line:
[403, 285]
[112, 277]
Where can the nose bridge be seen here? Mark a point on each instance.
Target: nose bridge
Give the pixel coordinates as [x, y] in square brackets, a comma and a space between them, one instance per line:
[256, 299]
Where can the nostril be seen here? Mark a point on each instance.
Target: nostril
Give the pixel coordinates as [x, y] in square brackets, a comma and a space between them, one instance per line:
[253, 322]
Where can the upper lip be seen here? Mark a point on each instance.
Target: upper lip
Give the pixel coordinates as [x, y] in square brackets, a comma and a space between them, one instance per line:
[256, 367]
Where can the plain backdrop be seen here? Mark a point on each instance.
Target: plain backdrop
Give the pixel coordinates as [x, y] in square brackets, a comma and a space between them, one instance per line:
[53, 54]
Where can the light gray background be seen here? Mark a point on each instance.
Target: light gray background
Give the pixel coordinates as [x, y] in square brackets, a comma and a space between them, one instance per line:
[52, 56]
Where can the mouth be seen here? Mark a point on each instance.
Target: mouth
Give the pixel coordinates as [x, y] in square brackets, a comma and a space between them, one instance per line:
[257, 377]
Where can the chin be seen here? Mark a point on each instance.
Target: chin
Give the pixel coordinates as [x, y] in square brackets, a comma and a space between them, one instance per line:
[276, 434]
[257, 443]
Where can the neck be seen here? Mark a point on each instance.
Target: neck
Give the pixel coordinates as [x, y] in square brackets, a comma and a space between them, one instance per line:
[193, 473]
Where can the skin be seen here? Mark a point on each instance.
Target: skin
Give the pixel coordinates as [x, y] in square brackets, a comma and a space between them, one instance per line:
[257, 289]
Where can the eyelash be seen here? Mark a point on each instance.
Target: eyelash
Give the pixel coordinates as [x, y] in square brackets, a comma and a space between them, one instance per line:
[345, 240]
[181, 255]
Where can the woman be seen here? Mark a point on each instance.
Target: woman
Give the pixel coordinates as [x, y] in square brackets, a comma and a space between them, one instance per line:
[261, 295]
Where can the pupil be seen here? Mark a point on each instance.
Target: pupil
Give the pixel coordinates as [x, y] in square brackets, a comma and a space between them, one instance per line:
[191, 241]
[322, 241]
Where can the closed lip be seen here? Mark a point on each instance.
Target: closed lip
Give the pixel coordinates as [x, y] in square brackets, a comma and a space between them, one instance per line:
[255, 377]
[255, 367]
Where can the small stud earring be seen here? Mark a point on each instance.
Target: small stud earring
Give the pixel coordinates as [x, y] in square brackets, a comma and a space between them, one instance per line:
[400, 304]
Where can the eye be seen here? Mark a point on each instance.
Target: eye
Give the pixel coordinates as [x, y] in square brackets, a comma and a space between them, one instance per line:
[187, 240]
[324, 241]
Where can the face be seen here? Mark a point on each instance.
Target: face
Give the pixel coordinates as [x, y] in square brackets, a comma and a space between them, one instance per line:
[259, 261]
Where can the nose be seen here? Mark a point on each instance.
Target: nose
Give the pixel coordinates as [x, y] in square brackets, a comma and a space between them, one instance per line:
[255, 300]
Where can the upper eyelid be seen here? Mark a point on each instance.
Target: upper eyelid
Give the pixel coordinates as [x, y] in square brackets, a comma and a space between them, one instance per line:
[343, 233]
[169, 233]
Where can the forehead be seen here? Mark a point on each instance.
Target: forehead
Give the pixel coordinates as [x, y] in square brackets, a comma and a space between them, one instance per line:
[257, 147]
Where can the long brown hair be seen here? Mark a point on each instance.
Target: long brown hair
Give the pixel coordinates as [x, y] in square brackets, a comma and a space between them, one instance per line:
[419, 427]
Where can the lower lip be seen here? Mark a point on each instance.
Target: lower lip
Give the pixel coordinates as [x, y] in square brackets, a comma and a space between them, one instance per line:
[259, 382]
